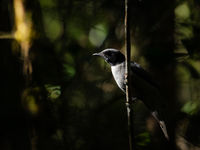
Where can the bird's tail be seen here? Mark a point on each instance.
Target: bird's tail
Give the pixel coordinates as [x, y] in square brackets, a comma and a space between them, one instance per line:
[161, 123]
[164, 129]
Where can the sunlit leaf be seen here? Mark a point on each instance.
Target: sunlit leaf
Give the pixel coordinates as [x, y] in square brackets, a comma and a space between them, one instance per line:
[190, 107]
[143, 139]
[54, 91]
[182, 11]
[69, 70]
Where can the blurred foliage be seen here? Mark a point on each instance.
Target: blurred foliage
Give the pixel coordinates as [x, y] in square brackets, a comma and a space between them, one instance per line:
[55, 95]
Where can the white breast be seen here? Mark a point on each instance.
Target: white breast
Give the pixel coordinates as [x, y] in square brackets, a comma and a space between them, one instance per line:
[118, 74]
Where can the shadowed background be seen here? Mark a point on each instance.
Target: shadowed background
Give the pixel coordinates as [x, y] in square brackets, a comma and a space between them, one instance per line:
[55, 95]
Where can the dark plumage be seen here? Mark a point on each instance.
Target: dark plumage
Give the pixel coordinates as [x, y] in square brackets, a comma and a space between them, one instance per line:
[143, 86]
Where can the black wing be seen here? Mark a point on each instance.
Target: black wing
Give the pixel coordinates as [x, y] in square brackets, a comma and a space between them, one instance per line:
[139, 71]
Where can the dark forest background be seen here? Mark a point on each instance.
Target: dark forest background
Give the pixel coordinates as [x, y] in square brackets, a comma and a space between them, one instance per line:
[55, 96]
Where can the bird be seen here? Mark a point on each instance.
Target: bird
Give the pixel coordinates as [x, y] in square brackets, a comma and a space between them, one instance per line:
[143, 87]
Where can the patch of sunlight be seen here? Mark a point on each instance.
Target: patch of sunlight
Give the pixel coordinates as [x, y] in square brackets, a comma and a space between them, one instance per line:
[98, 34]
[54, 91]
[190, 107]
[182, 11]
[23, 33]
[53, 26]
[47, 3]
[23, 22]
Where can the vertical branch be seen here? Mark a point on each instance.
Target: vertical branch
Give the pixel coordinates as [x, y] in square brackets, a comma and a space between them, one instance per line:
[127, 75]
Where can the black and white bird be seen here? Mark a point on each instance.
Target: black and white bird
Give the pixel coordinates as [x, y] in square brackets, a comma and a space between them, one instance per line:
[143, 87]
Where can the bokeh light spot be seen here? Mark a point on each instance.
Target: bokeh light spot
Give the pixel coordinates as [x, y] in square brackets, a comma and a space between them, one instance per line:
[53, 27]
[97, 34]
[182, 11]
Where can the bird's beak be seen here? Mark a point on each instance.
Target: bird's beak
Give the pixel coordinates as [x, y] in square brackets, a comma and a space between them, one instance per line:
[97, 54]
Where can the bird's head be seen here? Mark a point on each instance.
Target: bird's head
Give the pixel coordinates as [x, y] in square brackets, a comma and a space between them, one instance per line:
[111, 56]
